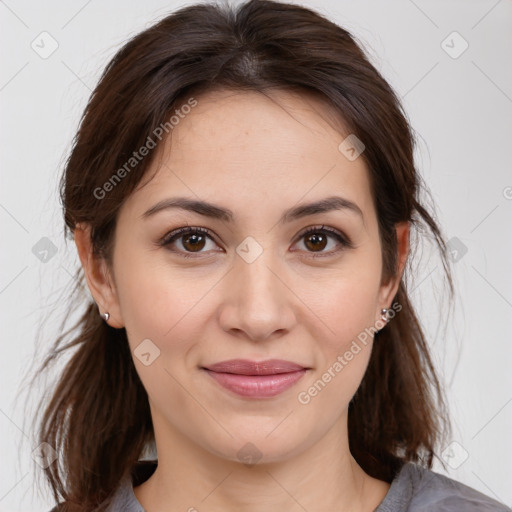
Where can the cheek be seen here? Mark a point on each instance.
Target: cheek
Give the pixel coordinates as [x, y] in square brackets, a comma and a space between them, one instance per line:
[344, 341]
[344, 302]
[156, 302]
[166, 307]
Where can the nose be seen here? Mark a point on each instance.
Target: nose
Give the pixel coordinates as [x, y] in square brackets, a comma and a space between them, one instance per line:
[257, 300]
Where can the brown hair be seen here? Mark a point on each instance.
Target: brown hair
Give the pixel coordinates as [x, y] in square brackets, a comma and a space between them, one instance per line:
[98, 418]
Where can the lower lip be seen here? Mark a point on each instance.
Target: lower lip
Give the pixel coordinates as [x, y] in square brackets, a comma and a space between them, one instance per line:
[257, 386]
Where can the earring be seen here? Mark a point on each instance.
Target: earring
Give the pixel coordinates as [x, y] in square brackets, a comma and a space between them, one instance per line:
[384, 315]
[105, 316]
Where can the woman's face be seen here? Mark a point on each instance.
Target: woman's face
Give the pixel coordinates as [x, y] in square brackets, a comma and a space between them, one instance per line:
[253, 286]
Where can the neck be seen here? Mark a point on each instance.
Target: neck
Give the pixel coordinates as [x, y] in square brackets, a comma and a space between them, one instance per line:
[322, 477]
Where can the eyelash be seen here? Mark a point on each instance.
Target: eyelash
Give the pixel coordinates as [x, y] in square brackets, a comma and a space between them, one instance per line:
[175, 235]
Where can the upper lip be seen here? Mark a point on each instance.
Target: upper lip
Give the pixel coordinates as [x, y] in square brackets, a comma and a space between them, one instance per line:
[247, 367]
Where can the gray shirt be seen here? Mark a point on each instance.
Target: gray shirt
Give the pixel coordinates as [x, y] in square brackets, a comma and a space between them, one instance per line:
[414, 489]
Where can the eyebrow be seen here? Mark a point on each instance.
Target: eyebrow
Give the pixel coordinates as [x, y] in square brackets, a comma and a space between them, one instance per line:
[213, 211]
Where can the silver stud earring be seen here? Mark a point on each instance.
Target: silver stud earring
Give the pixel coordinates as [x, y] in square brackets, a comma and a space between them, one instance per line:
[105, 316]
[384, 315]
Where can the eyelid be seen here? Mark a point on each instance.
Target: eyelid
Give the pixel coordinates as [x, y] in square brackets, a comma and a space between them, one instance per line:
[175, 234]
[342, 238]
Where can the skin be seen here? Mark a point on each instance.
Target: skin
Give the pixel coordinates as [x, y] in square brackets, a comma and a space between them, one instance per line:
[258, 158]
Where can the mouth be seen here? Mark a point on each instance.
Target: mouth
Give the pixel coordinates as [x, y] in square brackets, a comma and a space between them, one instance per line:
[254, 379]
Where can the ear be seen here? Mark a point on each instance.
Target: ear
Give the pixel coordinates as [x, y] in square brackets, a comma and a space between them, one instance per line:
[99, 280]
[389, 289]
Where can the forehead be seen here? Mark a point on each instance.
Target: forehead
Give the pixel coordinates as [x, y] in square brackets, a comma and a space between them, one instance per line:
[238, 146]
[243, 120]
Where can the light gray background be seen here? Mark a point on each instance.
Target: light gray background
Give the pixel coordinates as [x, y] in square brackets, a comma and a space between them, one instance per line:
[460, 108]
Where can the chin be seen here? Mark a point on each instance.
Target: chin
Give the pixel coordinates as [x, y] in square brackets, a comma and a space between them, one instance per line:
[260, 448]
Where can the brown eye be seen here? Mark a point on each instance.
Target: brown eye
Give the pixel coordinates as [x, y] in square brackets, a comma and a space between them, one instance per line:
[316, 241]
[193, 242]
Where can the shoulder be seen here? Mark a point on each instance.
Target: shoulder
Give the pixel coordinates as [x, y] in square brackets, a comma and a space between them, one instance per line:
[417, 489]
[123, 498]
